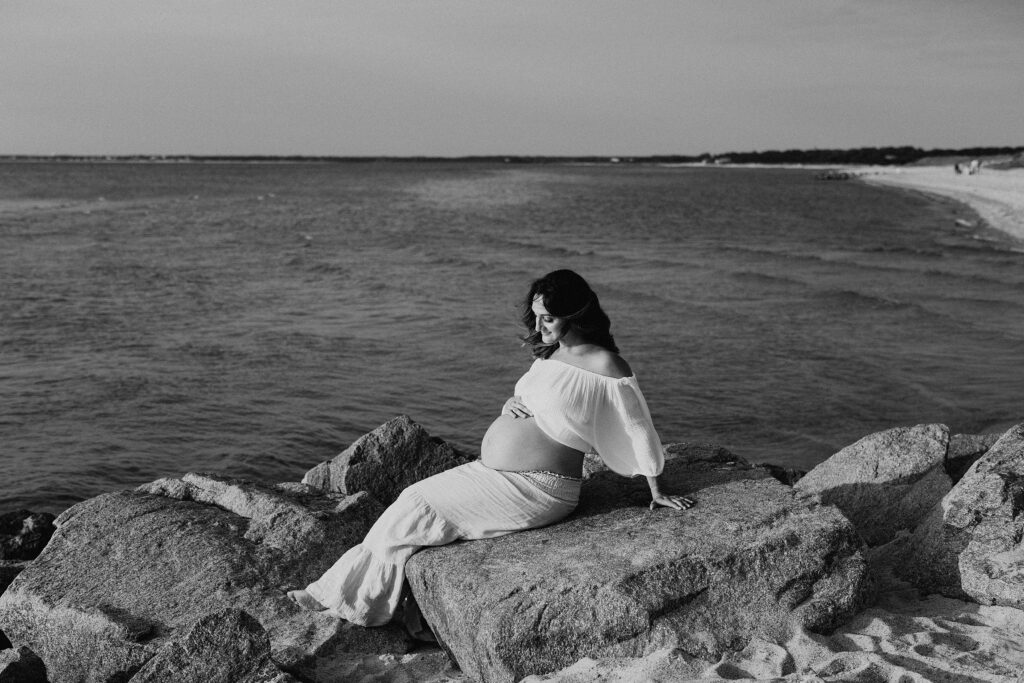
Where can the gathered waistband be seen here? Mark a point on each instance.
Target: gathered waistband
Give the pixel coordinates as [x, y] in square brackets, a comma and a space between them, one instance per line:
[557, 485]
[549, 473]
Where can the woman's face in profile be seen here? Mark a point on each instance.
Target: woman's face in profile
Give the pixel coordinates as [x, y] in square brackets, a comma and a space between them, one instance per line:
[551, 328]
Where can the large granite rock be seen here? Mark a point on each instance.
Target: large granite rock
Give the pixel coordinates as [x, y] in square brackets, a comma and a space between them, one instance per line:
[886, 481]
[385, 461]
[128, 572]
[23, 535]
[965, 450]
[970, 544]
[617, 579]
[224, 647]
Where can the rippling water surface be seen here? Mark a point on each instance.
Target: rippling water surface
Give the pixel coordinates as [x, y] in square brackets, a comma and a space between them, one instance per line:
[254, 319]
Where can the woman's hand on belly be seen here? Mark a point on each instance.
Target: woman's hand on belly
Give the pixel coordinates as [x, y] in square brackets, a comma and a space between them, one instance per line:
[517, 443]
[516, 408]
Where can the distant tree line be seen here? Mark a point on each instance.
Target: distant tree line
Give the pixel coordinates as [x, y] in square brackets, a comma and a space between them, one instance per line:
[890, 156]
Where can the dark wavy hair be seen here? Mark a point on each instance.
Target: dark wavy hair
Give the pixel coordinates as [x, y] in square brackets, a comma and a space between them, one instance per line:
[566, 295]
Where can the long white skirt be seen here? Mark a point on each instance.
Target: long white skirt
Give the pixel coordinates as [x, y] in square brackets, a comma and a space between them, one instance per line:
[467, 502]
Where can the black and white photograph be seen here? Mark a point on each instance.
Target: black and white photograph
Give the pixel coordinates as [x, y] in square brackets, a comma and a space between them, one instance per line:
[467, 341]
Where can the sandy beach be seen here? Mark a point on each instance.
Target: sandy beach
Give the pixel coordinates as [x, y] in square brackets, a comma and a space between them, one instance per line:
[997, 196]
[902, 638]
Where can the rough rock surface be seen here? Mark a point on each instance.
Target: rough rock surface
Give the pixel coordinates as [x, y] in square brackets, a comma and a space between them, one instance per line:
[127, 572]
[964, 450]
[21, 666]
[886, 481]
[385, 461]
[23, 535]
[617, 579]
[224, 647]
[970, 545]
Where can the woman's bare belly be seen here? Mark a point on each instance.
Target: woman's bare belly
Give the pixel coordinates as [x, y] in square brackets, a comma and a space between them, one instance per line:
[516, 444]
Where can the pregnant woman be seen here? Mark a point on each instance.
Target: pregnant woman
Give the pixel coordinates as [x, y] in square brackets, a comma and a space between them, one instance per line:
[579, 395]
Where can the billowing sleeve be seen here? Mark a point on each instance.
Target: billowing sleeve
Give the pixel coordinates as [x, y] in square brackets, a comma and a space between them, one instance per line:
[624, 434]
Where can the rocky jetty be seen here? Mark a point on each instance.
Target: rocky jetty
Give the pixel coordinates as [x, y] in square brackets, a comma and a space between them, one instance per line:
[619, 579]
[386, 461]
[128, 572]
[886, 481]
[185, 579]
[969, 546]
[223, 647]
[23, 535]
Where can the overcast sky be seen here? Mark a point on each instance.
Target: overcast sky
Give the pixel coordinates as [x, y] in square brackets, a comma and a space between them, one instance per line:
[556, 77]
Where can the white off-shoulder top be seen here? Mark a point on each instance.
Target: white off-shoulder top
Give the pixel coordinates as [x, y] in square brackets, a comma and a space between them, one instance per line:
[592, 412]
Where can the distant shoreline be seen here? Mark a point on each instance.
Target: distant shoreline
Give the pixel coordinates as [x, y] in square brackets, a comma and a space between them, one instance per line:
[790, 158]
[995, 195]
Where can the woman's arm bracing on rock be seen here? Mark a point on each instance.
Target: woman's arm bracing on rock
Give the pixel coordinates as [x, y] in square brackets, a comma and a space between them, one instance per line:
[675, 502]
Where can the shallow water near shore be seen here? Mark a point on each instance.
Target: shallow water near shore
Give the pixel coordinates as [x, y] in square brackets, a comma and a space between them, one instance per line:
[255, 319]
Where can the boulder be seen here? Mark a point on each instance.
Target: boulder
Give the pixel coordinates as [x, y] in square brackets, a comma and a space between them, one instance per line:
[24, 534]
[886, 481]
[617, 579]
[128, 572]
[224, 647]
[21, 666]
[787, 475]
[23, 537]
[964, 450]
[385, 461]
[970, 546]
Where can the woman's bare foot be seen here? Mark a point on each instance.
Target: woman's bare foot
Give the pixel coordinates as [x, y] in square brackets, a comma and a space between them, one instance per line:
[306, 601]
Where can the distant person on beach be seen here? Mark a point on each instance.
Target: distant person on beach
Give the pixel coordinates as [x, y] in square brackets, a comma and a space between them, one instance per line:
[579, 395]
[956, 169]
[974, 168]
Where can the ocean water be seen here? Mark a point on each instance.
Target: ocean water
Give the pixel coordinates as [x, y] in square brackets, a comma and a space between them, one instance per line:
[255, 319]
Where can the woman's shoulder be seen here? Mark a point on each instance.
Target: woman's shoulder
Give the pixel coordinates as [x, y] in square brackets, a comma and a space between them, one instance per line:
[600, 360]
[613, 365]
